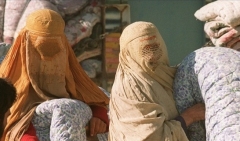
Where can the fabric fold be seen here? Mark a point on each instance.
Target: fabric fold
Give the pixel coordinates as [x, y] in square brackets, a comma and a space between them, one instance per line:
[142, 107]
[42, 66]
[222, 22]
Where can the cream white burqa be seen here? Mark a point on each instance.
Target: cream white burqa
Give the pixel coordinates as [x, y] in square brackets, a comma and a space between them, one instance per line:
[142, 107]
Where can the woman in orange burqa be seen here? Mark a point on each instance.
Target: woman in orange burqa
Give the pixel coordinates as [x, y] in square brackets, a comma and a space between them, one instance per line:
[42, 67]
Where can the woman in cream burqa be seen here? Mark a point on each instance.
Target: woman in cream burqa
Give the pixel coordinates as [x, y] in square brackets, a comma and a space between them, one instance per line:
[142, 107]
[42, 66]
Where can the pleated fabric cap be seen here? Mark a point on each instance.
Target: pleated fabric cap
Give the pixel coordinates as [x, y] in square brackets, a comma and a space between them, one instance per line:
[45, 21]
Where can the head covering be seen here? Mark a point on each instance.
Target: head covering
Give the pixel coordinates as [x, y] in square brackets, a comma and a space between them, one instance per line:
[147, 49]
[42, 66]
[143, 88]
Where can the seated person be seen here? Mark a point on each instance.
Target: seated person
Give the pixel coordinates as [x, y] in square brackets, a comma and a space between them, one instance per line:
[142, 106]
[211, 76]
[42, 66]
[7, 98]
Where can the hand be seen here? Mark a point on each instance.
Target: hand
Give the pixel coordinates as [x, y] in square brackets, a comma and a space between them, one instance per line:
[97, 126]
[194, 114]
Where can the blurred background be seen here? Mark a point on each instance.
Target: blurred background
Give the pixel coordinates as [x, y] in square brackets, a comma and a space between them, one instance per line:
[93, 28]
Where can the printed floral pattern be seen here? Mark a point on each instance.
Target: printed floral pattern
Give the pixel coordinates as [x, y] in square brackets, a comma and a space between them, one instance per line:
[80, 16]
[187, 94]
[63, 120]
[211, 75]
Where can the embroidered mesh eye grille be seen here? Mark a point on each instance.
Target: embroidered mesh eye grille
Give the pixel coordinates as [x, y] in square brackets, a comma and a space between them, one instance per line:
[151, 53]
[48, 47]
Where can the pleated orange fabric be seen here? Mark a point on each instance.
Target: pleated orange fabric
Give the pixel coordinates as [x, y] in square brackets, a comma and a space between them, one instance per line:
[42, 66]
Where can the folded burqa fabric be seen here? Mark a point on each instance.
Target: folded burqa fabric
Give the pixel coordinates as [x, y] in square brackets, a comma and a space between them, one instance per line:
[42, 66]
[142, 107]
